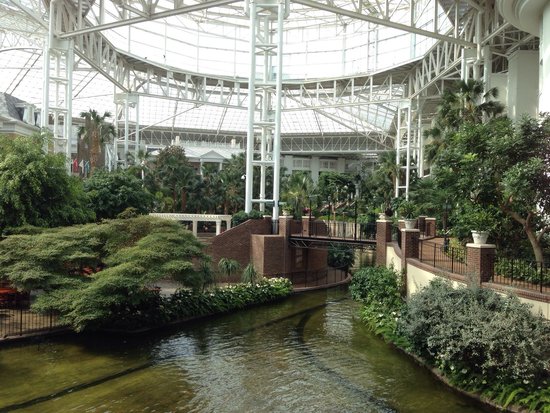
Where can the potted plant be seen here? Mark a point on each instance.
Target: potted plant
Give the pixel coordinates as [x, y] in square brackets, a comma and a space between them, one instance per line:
[407, 210]
[287, 210]
[482, 221]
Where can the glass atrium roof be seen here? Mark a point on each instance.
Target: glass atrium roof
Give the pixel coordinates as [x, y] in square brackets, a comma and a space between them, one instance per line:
[318, 44]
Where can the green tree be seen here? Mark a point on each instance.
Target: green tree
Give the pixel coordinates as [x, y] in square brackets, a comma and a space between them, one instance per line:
[341, 256]
[298, 189]
[126, 257]
[466, 101]
[35, 188]
[174, 174]
[95, 133]
[505, 165]
[232, 184]
[110, 193]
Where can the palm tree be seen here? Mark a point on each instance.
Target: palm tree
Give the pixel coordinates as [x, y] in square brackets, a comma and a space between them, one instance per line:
[95, 133]
[174, 173]
[250, 275]
[228, 267]
[466, 101]
[298, 189]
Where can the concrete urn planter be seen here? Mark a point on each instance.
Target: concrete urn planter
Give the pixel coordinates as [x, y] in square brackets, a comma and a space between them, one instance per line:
[480, 237]
[410, 223]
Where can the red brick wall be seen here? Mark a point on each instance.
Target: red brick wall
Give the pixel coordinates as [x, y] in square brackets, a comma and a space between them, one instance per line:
[409, 242]
[430, 229]
[268, 254]
[235, 243]
[481, 262]
[383, 236]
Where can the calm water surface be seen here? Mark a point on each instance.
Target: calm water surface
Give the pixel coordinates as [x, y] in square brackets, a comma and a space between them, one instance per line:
[309, 353]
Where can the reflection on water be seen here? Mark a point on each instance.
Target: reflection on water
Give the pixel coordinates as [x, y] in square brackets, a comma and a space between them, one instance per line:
[309, 353]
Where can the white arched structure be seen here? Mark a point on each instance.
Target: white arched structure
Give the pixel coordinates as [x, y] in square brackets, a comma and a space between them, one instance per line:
[195, 219]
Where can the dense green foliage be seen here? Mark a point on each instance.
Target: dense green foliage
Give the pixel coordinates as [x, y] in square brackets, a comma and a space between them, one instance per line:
[35, 188]
[154, 310]
[241, 216]
[379, 290]
[483, 342]
[110, 193]
[172, 175]
[87, 271]
[186, 303]
[341, 256]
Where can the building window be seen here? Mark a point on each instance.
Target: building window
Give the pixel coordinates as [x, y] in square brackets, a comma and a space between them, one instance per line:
[327, 164]
[301, 164]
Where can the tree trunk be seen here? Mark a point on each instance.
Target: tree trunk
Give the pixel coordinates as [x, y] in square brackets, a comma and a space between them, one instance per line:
[175, 199]
[527, 224]
[535, 244]
[183, 200]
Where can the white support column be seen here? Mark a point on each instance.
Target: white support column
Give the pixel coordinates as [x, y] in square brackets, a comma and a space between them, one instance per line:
[126, 129]
[544, 58]
[249, 178]
[58, 61]
[127, 108]
[266, 45]
[218, 227]
[138, 140]
[68, 121]
[282, 9]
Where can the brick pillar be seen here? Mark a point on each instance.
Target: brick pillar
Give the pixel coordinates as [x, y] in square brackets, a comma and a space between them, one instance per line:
[306, 225]
[422, 224]
[481, 262]
[284, 225]
[430, 227]
[410, 243]
[401, 223]
[383, 236]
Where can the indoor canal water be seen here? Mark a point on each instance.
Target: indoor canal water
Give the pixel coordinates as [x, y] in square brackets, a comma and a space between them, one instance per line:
[309, 353]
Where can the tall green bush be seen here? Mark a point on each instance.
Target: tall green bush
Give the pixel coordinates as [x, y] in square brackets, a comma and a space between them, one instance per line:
[477, 337]
[88, 272]
[379, 290]
[110, 193]
[341, 256]
[35, 188]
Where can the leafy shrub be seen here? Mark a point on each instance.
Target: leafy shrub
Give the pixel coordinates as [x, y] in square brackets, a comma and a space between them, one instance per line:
[121, 258]
[341, 256]
[238, 218]
[255, 214]
[110, 193]
[250, 275]
[379, 290]
[476, 336]
[241, 216]
[186, 303]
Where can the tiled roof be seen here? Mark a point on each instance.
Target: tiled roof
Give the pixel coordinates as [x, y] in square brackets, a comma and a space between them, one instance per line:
[8, 107]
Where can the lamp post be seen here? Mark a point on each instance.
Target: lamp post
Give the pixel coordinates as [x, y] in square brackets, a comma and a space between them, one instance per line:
[355, 220]
[311, 197]
[357, 188]
[328, 213]
[446, 209]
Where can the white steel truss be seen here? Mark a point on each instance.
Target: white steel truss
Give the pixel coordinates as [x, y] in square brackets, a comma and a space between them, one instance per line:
[264, 96]
[379, 110]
